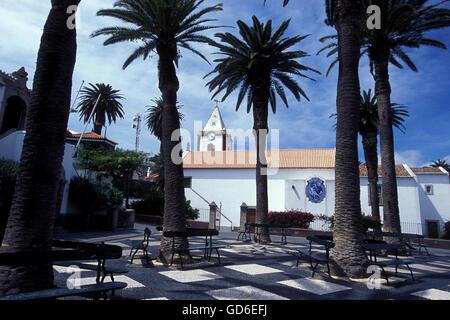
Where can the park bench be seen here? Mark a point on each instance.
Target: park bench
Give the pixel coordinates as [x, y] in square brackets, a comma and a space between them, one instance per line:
[316, 257]
[66, 252]
[102, 253]
[405, 238]
[244, 233]
[375, 248]
[141, 245]
[259, 226]
[207, 247]
[65, 292]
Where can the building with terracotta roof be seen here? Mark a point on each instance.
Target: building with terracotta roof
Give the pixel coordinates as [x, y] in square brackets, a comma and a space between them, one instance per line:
[304, 179]
[89, 139]
[14, 103]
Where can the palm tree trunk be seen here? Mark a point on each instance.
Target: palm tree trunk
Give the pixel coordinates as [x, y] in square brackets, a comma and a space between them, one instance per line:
[174, 199]
[31, 219]
[98, 128]
[389, 178]
[348, 253]
[370, 145]
[260, 127]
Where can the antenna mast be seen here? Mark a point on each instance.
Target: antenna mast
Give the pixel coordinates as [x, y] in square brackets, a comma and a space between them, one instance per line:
[137, 125]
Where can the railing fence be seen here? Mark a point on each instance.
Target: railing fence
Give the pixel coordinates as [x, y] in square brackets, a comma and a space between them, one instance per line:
[406, 227]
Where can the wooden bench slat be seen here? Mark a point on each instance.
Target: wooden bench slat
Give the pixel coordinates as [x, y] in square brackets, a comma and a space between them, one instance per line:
[65, 292]
[89, 266]
[393, 262]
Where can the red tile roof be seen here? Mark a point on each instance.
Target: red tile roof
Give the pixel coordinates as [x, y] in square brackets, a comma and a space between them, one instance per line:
[87, 136]
[400, 171]
[298, 158]
[427, 171]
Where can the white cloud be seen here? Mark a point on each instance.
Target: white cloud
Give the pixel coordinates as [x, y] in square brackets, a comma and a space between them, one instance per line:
[412, 158]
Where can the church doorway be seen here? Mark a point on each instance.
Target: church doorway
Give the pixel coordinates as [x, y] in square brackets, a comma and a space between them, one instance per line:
[211, 147]
[14, 115]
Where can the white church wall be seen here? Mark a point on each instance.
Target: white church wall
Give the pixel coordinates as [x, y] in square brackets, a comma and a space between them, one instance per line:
[296, 197]
[232, 187]
[434, 206]
[407, 201]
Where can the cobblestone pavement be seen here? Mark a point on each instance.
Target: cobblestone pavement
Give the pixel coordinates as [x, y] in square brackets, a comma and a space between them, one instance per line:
[251, 271]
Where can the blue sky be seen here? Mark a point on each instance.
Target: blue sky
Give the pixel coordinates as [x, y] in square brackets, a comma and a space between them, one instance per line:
[303, 125]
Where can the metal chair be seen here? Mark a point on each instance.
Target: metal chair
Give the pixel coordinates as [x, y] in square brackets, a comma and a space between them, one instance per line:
[141, 245]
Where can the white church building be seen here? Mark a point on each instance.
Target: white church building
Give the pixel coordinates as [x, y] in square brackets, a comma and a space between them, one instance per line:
[302, 179]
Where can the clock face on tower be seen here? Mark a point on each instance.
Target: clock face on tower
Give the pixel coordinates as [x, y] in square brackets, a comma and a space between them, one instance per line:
[211, 136]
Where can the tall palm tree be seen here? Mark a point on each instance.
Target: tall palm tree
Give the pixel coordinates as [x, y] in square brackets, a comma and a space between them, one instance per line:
[348, 253]
[259, 65]
[164, 26]
[346, 16]
[32, 214]
[153, 117]
[108, 105]
[404, 23]
[369, 130]
[441, 163]
[153, 120]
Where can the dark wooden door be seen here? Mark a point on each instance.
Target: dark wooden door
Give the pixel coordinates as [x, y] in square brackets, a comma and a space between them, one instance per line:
[432, 229]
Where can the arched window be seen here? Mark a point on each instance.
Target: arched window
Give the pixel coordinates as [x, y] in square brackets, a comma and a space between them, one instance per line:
[14, 115]
[211, 147]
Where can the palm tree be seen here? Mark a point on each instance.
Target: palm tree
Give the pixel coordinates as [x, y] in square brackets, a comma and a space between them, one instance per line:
[404, 23]
[259, 65]
[108, 105]
[369, 130]
[441, 163]
[346, 16]
[153, 118]
[32, 214]
[164, 26]
[348, 253]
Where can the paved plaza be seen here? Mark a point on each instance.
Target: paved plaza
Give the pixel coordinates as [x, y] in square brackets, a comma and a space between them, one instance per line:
[250, 271]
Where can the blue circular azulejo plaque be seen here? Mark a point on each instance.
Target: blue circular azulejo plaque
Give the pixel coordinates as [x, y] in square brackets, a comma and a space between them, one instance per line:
[315, 190]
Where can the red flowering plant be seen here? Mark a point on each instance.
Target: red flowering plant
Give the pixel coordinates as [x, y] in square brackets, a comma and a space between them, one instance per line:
[294, 218]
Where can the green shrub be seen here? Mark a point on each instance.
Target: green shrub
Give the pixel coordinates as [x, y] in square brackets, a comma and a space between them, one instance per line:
[294, 218]
[90, 195]
[327, 221]
[191, 213]
[446, 233]
[370, 222]
[152, 204]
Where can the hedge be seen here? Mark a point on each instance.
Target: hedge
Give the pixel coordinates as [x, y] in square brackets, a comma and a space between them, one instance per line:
[294, 218]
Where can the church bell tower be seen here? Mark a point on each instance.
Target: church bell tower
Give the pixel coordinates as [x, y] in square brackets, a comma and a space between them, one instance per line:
[214, 135]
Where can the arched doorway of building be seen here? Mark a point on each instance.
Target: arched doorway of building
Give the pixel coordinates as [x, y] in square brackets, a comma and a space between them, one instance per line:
[14, 115]
[211, 147]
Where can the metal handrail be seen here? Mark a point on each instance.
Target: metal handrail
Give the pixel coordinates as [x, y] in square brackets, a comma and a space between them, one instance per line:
[216, 207]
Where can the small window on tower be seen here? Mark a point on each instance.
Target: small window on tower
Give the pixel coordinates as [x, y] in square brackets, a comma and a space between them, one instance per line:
[429, 189]
[211, 147]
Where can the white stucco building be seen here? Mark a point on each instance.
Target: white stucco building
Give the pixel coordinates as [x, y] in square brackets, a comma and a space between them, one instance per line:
[227, 177]
[14, 102]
